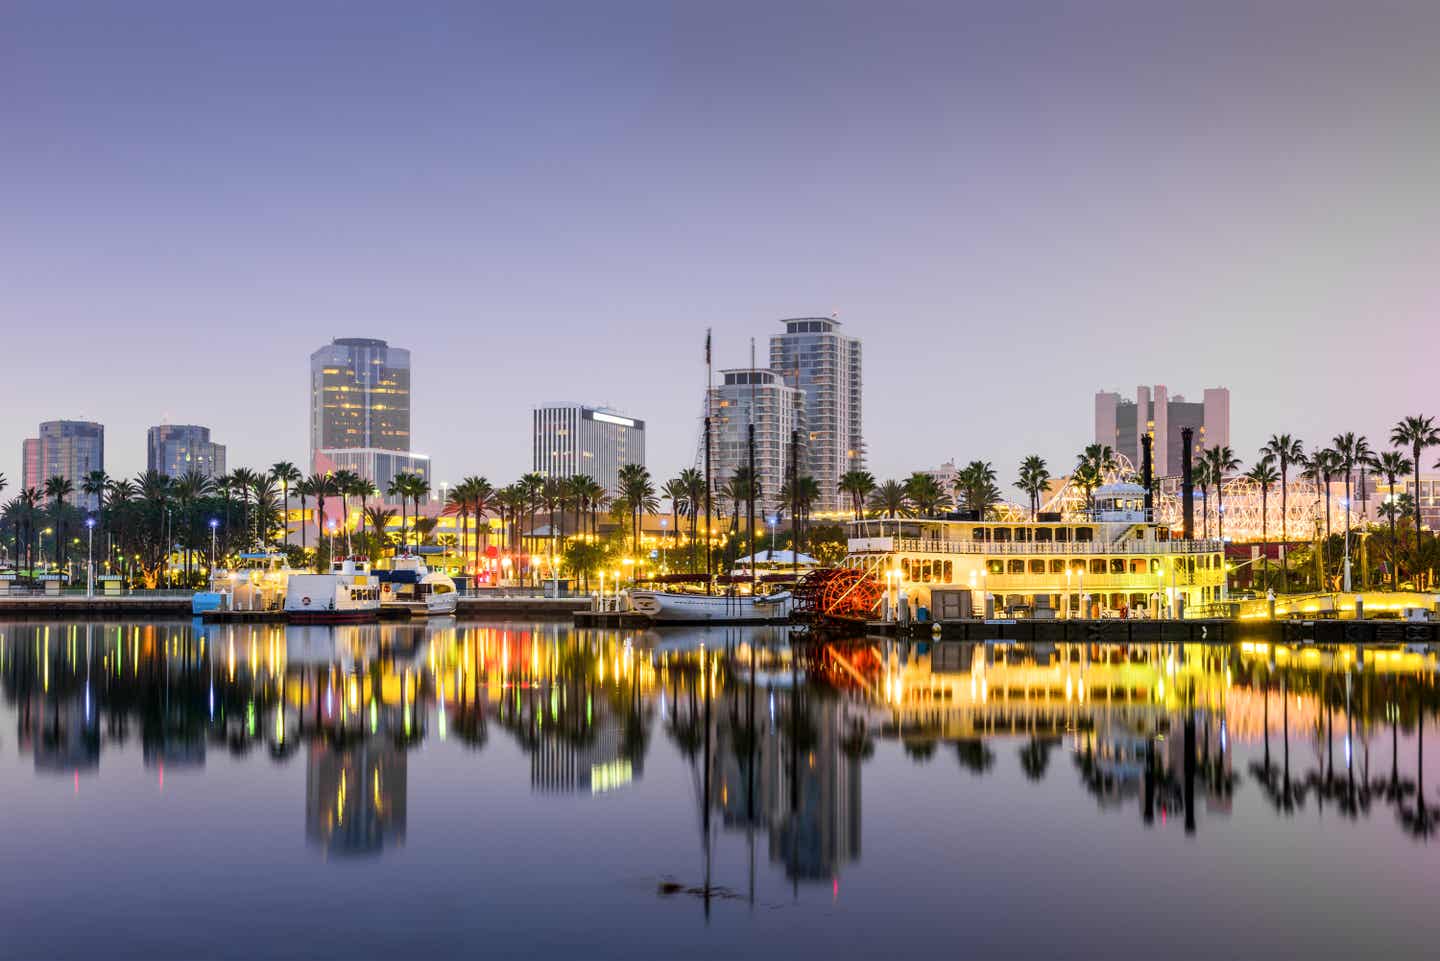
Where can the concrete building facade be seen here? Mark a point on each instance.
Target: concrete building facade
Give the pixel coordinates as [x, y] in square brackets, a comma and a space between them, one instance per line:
[571, 439]
[1120, 423]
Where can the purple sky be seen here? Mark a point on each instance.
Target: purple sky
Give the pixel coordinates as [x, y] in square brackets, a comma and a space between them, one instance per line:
[1015, 205]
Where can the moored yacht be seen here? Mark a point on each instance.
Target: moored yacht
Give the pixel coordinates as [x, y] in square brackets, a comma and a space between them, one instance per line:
[349, 593]
[676, 607]
[411, 585]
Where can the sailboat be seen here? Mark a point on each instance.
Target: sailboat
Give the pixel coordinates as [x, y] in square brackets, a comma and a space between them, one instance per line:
[669, 606]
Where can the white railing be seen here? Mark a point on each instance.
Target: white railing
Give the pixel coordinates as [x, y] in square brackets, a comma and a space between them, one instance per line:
[925, 545]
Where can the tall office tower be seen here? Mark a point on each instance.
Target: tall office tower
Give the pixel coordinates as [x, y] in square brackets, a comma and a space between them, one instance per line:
[571, 439]
[175, 449]
[65, 448]
[779, 409]
[360, 411]
[1121, 422]
[824, 364]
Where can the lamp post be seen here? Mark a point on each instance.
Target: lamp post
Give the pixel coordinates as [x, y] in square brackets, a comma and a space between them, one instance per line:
[90, 557]
[1345, 506]
[331, 525]
[1069, 611]
[214, 523]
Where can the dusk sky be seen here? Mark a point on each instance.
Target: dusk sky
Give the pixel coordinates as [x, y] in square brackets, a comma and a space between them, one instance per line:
[1013, 204]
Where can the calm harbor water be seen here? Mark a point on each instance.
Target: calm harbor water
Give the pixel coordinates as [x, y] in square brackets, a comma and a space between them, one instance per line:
[171, 789]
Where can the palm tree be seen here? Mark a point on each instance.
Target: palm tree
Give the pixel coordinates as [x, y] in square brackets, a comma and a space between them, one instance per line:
[1392, 463]
[1034, 481]
[1321, 467]
[30, 499]
[57, 488]
[186, 489]
[975, 485]
[345, 482]
[1286, 450]
[303, 490]
[321, 486]
[859, 485]
[1417, 433]
[693, 481]
[287, 475]
[457, 503]
[399, 487]
[890, 499]
[1222, 461]
[926, 496]
[638, 494]
[1264, 475]
[242, 480]
[419, 489]
[380, 519]
[1352, 451]
[483, 501]
[675, 491]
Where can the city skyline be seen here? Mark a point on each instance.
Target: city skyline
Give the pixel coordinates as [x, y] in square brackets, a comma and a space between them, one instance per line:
[1169, 202]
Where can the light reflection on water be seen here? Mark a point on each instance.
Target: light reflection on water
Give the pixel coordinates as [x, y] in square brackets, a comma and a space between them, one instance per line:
[697, 781]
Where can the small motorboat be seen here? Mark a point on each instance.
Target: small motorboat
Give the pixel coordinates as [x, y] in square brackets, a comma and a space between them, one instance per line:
[678, 607]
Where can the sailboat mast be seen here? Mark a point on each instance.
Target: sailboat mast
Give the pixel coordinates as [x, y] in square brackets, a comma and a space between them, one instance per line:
[709, 501]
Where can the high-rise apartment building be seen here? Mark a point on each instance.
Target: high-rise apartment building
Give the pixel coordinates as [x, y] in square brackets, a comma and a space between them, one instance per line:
[824, 364]
[175, 449]
[778, 409]
[64, 448]
[360, 410]
[1121, 422]
[571, 439]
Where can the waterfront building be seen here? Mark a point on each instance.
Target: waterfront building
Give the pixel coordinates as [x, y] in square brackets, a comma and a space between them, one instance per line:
[1427, 499]
[174, 449]
[360, 410]
[65, 448]
[824, 364]
[1121, 422]
[571, 439]
[777, 409]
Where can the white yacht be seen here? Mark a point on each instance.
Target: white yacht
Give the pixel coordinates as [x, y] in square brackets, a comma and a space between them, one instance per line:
[410, 584]
[349, 593]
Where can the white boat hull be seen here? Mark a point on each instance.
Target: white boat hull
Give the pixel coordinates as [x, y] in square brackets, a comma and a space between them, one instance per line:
[675, 607]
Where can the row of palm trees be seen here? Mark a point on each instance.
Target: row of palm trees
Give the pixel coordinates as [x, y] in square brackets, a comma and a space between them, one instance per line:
[922, 495]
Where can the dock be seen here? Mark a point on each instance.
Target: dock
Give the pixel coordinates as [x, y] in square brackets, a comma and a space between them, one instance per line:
[177, 605]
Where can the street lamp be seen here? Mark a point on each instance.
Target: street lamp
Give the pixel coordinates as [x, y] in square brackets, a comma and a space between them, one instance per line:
[90, 557]
[214, 523]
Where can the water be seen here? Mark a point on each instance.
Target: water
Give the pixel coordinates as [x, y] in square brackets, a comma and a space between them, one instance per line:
[168, 790]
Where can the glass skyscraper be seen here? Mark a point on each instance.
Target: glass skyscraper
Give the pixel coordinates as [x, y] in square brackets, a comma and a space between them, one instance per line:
[778, 409]
[824, 365]
[360, 410]
[65, 448]
[175, 449]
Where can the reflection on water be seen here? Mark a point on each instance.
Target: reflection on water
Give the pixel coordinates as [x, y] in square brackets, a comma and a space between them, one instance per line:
[762, 739]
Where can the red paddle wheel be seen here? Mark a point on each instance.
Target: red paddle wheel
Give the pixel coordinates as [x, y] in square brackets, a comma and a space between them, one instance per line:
[839, 592]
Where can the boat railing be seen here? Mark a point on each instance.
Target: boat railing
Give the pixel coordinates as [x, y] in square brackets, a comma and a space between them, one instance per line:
[927, 545]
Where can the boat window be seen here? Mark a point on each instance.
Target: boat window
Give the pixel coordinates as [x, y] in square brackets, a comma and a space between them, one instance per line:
[1097, 565]
[443, 589]
[994, 565]
[1042, 535]
[980, 533]
[925, 572]
[949, 572]
[1037, 566]
[1138, 566]
[910, 530]
[905, 568]
[1117, 565]
[1022, 534]
[1084, 533]
[1062, 535]
[1017, 566]
[1057, 566]
[1155, 565]
[1001, 535]
[1078, 566]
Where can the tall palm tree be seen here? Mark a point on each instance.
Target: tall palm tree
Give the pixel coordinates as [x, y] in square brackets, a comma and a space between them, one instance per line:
[242, 482]
[399, 487]
[975, 486]
[890, 500]
[1203, 478]
[57, 488]
[30, 499]
[303, 490]
[1222, 461]
[1392, 464]
[457, 504]
[379, 520]
[1352, 451]
[484, 500]
[1034, 481]
[1286, 450]
[638, 493]
[287, 475]
[1416, 432]
[675, 491]
[1264, 476]
[693, 481]
[321, 486]
[346, 482]
[185, 490]
[418, 488]
[859, 485]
